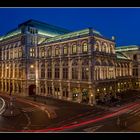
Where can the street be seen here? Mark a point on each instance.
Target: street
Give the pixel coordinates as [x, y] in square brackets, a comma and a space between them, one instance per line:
[61, 116]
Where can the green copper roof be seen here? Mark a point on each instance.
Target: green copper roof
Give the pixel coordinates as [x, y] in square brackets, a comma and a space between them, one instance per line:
[10, 34]
[45, 28]
[71, 35]
[127, 48]
[122, 56]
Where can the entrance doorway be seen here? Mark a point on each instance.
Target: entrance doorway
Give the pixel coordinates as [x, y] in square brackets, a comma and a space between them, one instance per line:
[32, 90]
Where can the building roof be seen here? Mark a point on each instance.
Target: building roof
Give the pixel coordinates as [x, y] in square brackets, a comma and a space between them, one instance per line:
[43, 29]
[122, 56]
[86, 31]
[127, 48]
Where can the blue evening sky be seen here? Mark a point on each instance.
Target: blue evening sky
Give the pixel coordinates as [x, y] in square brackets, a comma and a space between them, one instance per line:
[123, 23]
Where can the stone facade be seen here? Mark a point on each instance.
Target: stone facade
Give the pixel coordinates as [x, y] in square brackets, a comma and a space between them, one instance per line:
[79, 66]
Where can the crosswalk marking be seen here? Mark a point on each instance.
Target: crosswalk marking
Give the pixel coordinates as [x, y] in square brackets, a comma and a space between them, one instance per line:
[29, 109]
[134, 112]
[93, 129]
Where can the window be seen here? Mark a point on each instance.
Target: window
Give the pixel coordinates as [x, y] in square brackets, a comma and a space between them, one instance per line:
[43, 71]
[85, 70]
[85, 73]
[50, 90]
[85, 47]
[65, 50]
[74, 48]
[11, 54]
[111, 49]
[49, 71]
[57, 70]
[20, 52]
[42, 52]
[16, 53]
[57, 51]
[75, 70]
[32, 52]
[65, 70]
[135, 57]
[49, 52]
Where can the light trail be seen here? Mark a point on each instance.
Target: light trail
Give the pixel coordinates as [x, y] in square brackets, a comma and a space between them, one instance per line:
[66, 127]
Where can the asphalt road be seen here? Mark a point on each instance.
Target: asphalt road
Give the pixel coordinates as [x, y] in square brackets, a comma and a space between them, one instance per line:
[70, 117]
[33, 118]
[128, 121]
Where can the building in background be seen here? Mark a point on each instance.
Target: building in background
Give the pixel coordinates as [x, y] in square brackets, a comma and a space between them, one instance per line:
[80, 66]
[133, 52]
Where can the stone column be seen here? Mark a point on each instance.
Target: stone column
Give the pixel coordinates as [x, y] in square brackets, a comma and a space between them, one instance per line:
[70, 69]
[92, 100]
[53, 69]
[69, 92]
[61, 70]
[61, 92]
[79, 69]
[53, 90]
[90, 71]
[80, 94]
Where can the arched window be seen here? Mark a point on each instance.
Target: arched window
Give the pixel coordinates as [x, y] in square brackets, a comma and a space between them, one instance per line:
[43, 70]
[32, 52]
[65, 49]
[49, 70]
[75, 69]
[97, 46]
[135, 57]
[85, 70]
[74, 49]
[49, 52]
[42, 52]
[57, 51]
[20, 52]
[111, 49]
[57, 70]
[104, 47]
[85, 47]
[65, 70]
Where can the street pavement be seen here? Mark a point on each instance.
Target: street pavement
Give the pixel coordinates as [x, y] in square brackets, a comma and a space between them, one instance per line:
[53, 115]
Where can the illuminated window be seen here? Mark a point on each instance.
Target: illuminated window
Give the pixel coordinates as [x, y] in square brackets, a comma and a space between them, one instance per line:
[49, 52]
[65, 50]
[11, 54]
[20, 52]
[16, 53]
[74, 48]
[56, 51]
[32, 52]
[85, 70]
[85, 47]
[42, 52]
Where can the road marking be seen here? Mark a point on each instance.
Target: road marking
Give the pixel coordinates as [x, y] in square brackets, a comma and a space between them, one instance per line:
[29, 109]
[29, 121]
[93, 129]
